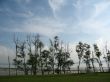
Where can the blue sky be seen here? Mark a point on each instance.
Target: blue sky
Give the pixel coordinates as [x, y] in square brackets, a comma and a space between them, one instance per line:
[71, 20]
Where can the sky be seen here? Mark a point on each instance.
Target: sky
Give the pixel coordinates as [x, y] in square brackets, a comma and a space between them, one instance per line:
[71, 20]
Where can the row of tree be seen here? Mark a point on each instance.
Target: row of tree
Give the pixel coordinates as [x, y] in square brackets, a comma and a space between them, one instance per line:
[84, 52]
[31, 55]
[55, 59]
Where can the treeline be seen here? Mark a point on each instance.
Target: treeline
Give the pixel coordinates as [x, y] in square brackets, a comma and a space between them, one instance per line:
[31, 55]
[55, 59]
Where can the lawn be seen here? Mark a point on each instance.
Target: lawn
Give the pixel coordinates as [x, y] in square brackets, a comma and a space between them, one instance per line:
[98, 77]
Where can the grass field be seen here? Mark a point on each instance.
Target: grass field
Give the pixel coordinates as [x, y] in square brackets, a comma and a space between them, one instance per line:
[98, 77]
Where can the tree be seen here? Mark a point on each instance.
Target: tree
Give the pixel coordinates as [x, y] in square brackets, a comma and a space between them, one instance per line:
[62, 56]
[80, 52]
[19, 61]
[16, 42]
[41, 45]
[22, 56]
[45, 59]
[87, 56]
[31, 60]
[9, 64]
[52, 56]
[107, 57]
[98, 54]
[67, 65]
[36, 55]
[54, 46]
[93, 60]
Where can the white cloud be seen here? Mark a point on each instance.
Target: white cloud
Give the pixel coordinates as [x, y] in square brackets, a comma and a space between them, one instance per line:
[10, 12]
[51, 27]
[72, 48]
[46, 30]
[4, 53]
[44, 26]
[100, 8]
[102, 43]
[56, 5]
[77, 5]
[26, 14]
[94, 26]
[21, 1]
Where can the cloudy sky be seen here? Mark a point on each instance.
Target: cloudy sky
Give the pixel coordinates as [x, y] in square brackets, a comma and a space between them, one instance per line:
[71, 20]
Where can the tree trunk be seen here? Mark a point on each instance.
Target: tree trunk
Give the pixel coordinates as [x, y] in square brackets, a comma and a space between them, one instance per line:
[16, 60]
[108, 66]
[93, 66]
[79, 66]
[93, 62]
[102, 70]
[34, 69]
[86, 67]
[53, 66]
[99, 66]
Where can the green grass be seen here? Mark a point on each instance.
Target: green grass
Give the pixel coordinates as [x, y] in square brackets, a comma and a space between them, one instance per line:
[98, 77]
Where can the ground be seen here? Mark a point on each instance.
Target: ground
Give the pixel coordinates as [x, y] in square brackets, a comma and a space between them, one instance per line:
[97, 77]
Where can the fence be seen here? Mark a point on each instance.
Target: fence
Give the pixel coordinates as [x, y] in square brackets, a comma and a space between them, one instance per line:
[12, 71]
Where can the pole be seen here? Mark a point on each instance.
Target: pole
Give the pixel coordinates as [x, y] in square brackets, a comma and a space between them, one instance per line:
[9, 64]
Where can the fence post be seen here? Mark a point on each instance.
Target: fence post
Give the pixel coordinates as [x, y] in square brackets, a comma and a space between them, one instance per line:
[9, 64]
